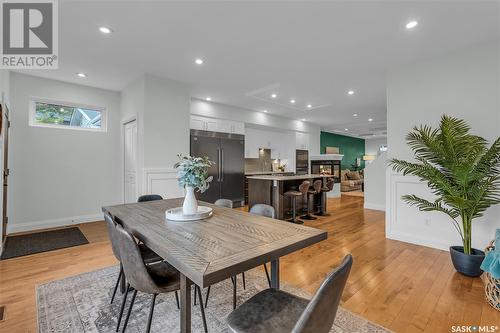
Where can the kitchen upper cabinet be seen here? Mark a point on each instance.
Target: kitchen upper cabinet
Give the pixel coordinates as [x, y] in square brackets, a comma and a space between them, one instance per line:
[301, 141]
[217, 125]
[197, 123]
[253, 142]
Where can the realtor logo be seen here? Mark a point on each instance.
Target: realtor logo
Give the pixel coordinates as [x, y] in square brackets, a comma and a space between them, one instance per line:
[29, 34]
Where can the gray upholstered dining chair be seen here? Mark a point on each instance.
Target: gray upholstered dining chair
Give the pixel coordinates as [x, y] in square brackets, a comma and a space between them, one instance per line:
[157, 278]
[224, 203]
[267, 211]
[148, 255]
[149, 197]
[276, 311]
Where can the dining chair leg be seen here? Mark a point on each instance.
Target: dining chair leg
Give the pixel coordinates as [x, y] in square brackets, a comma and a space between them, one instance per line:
[244, 283]
[202, 308]
[195, 297]
[125, 294]
[116, 285]
[151, 310]
[267, 275]
[234, 291]
[123, 283]
[177, 300]
[206, 298]
[129, 311]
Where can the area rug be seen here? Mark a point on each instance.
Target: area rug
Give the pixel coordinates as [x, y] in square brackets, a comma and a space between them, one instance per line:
[37, 242]
[80, 304]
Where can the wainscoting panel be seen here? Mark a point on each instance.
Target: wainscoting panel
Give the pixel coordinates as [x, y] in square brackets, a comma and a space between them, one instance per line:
[162, 182]
[406, 223]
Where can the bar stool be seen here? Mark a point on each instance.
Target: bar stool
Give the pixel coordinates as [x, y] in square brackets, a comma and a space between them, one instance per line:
[311, 192]
[293, 195]
[324, 190]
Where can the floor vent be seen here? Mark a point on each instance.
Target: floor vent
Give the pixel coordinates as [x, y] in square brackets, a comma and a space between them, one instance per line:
[2, 312]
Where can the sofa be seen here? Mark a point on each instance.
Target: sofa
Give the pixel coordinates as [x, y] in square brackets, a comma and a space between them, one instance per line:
[351, 180]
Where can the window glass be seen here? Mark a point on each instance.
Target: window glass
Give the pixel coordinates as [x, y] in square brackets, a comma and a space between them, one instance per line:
[62, 115]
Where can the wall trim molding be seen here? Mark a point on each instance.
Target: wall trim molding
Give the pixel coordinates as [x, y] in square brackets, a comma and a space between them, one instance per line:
[409, 238]
[47, 224]
[157, 176]
[374, 206]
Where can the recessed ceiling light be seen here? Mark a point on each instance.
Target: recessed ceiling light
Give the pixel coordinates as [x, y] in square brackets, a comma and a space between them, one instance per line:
[208, 99]
[199, 61]
[265, 111]
[354, 114]
[346, 129]
[309, 106]
[274, 95]
[105, 30]
[81, 74]
[350, 92]
[292, 101]
[370, 119]
[411, 24]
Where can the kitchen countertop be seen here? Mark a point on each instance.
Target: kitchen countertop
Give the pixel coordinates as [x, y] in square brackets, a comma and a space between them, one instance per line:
[255, 173]
[281, 178]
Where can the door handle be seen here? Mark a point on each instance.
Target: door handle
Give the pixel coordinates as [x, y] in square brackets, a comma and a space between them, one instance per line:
[222, 165]
[218, 164]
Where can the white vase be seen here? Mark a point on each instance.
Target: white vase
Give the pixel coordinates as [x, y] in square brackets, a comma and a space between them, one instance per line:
[190, 205]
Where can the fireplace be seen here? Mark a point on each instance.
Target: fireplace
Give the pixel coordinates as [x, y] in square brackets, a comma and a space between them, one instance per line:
[327, 164]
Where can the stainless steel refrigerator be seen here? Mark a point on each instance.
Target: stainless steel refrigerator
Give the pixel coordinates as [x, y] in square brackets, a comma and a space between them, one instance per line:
[228, 153]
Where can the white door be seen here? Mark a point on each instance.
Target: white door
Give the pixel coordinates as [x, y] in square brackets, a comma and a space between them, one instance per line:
[130, 166]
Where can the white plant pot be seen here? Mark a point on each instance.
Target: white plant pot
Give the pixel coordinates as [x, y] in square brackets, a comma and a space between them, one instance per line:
[190, 205]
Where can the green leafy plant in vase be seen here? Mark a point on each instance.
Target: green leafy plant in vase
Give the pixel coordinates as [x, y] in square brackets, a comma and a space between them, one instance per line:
[463, 173]
[192, 175]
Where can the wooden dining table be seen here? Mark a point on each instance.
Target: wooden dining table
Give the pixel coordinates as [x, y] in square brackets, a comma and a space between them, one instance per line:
[211, 250]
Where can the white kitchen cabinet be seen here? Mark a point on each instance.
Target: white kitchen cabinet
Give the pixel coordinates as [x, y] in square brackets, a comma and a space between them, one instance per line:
[302, 141]
[197, 123]
[237, 127]
[217, 125]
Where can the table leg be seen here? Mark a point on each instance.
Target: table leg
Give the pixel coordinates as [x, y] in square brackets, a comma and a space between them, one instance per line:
[275, 274]
[185, 304]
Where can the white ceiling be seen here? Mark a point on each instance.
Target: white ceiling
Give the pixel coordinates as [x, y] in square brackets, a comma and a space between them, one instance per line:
[311, 51]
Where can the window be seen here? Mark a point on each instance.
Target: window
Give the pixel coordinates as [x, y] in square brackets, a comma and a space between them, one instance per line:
[46, 113]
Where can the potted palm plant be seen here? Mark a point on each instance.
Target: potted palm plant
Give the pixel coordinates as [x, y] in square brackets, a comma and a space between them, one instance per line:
[464, 175]
[192, 175]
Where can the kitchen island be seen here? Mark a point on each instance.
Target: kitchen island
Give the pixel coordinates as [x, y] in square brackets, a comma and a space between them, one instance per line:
[270, 189]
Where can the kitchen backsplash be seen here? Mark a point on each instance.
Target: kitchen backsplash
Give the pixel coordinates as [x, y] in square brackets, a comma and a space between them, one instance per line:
[263, 163]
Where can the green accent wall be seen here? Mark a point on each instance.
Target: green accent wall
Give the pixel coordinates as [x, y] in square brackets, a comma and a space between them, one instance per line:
[349, 146]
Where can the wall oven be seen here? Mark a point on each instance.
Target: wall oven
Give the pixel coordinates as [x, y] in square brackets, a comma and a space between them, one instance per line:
[301, 162]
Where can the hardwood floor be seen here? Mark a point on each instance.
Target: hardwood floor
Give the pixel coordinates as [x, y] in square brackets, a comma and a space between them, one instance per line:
[404, 287]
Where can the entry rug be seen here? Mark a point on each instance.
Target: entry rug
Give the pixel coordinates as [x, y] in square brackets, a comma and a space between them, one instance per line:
[80, 304]
[37, 242]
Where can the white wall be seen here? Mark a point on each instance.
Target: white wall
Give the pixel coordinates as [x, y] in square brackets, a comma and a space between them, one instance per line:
[161, 107]
[222, 111]
[464, 84]
[375, 183]
[372, 146]
[61, 176]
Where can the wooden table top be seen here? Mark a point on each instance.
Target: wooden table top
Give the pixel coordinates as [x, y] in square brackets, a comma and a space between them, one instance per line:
[214, 249]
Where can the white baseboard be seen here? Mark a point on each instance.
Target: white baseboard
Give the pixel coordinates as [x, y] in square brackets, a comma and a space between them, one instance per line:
[374, 206]
[46, 224]
[407, 238]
